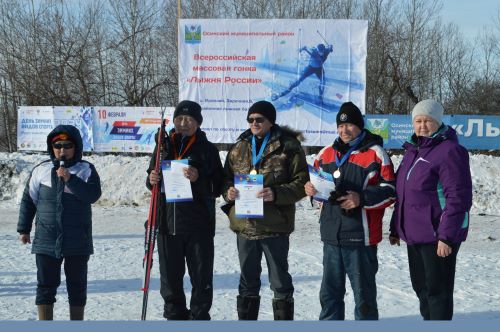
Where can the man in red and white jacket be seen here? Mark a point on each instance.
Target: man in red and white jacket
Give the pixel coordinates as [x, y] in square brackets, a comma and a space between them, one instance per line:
[351, 220]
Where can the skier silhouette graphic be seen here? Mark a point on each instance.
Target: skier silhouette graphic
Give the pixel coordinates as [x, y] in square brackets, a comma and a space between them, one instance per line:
[86, 127]
[147, 140]
[317, 57]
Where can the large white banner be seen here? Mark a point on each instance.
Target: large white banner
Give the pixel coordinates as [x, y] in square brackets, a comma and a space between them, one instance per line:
[306, 68]
[34, 123]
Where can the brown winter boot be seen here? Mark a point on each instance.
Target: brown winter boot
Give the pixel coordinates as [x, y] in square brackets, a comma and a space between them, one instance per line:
[76, 313]
[45, 311]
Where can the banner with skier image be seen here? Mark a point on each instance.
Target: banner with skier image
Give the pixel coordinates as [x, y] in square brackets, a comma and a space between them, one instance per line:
[82, 117]
[306, 68]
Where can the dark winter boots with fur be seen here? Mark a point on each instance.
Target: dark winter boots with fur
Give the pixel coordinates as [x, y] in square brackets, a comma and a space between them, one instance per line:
[283, 309]
[248, 307]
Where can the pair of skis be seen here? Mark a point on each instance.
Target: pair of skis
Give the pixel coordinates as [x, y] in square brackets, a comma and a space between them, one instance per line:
[152, 222]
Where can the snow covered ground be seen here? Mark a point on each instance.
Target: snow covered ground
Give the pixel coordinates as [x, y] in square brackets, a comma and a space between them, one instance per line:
[115, 270]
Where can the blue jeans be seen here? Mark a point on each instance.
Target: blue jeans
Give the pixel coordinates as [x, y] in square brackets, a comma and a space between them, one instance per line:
[360, 264]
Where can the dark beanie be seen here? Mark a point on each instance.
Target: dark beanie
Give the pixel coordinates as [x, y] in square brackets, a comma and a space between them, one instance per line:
[188, 107]
[265, 108]
[350, 113]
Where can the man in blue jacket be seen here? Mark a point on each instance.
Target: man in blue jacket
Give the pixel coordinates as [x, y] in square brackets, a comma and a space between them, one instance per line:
[58, 195]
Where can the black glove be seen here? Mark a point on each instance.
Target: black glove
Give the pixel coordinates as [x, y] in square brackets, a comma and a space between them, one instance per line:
[334, 195]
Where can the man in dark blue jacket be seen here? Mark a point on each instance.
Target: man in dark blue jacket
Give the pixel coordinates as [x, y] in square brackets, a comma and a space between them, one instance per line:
[187, 228]
[59, 194]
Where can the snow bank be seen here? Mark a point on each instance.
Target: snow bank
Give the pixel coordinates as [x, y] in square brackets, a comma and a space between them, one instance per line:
[123, 178]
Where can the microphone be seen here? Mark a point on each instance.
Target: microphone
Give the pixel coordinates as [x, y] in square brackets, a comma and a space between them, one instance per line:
[62, 160]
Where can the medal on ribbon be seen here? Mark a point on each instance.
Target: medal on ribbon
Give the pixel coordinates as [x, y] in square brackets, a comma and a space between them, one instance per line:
[340, 162]
[256, 157]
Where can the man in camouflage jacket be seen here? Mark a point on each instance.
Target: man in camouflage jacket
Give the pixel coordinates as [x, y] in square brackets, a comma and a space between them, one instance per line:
[283, 165]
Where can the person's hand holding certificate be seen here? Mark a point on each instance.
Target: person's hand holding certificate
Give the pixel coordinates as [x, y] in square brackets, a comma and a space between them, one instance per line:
[247, 205]
[322, 182]
[176, 186]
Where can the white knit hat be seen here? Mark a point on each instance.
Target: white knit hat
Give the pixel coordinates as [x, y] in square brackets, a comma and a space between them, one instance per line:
[429, 107]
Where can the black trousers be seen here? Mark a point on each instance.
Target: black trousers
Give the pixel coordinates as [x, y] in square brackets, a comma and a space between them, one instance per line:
[275, 250]
[49, 278]
[433, 280]
[196, 250]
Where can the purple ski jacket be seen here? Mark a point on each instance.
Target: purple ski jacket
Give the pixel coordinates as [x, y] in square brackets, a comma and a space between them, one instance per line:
[433, 190]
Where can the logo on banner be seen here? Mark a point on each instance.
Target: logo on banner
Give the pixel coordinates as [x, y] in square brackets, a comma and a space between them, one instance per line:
[380, 127]
[192, 34]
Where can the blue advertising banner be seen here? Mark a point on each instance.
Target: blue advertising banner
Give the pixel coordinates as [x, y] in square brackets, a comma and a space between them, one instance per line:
[477, 132]
[474, 132]
[132, 129]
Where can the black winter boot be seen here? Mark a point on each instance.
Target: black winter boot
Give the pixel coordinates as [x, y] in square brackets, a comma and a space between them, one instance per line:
[76, 312]
[248, 307]
[283, 309]
[184, 315]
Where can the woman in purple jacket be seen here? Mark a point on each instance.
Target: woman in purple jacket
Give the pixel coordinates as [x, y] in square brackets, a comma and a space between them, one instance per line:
[434, 196]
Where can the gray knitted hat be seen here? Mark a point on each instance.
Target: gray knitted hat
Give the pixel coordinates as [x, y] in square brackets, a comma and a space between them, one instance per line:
[429, 107]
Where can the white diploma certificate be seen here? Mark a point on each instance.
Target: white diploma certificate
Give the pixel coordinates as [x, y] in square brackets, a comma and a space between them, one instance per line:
[322, 182]
[247, 205]
[176, 186]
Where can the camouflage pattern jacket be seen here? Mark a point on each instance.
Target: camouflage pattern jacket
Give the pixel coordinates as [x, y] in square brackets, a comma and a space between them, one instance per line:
[284, 167]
